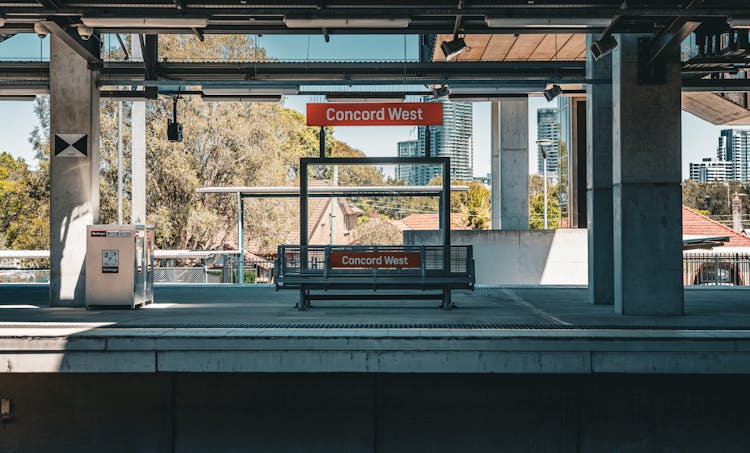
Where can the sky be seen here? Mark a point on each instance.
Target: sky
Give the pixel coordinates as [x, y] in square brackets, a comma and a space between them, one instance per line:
[699, 138]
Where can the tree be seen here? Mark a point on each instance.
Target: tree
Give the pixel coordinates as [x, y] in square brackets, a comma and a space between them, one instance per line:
[536, 209]
[477, 207]
[377, 231]
[24, 206]
[225, 144]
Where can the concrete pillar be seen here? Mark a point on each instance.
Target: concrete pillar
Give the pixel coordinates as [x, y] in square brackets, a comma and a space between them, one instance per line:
[74, 176]
[599, 179]
[495, 163]
[513, 147]
[138, 149]
[647, 197]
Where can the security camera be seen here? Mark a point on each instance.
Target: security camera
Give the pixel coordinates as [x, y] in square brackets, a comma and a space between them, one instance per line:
[40, 30]
[85, 32]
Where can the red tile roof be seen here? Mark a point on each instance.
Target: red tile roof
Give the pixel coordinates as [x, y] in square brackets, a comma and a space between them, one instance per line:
[428, 222]
[697, 224]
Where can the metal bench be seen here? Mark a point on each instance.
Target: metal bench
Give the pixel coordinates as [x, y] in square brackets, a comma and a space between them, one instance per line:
[329, 267]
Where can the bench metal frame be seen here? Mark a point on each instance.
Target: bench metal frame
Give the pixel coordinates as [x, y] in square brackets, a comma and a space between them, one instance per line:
[307, 268]
[381, 279]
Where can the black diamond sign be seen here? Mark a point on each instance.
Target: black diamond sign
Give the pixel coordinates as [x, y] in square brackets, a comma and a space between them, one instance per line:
[71, 145]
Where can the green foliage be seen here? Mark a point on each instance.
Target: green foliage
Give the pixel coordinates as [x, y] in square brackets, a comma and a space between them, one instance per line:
[714, 198]
[536, 208]
[24, 205]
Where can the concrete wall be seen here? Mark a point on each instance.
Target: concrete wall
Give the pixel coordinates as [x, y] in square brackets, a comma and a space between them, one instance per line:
[518, 257]
[374, 413]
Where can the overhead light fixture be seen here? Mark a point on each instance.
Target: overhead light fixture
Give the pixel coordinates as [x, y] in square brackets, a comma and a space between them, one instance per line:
[603, 46]
[300, 22]
[144, 22]
[451, 49]
[518, 22]
[248, 91]
[552, 93]
[739, 23]
[441, 92]
[237, 98]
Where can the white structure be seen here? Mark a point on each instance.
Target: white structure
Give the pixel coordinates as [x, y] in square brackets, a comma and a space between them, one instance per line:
[711, 169]
[453, 139]
[548, 131]
[408, 173]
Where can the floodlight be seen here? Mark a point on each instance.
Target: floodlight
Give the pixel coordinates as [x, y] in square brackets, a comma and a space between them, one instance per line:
[546, 22]
[299, 22]
[144, 22]
[441, 92]
[451, 49]
[552, 93]
[603, 46]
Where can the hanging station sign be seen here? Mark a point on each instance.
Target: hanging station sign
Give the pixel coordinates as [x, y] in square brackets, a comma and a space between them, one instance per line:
[375, 114]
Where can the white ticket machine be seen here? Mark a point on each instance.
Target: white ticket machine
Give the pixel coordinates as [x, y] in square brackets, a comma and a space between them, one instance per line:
[119, 265]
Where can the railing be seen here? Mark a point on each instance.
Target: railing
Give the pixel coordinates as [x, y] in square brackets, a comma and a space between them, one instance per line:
[727, 269]
[258, 271]
[187, 275]
[24, 275]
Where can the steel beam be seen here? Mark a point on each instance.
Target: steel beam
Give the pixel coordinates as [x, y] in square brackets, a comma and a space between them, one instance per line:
[90, 52]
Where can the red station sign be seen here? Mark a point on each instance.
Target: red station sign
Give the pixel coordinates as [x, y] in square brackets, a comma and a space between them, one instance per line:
[392, 260]
[375, 114]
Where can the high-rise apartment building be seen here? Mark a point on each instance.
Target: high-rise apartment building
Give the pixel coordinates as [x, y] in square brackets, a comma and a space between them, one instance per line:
[734, 144]
[710, 169]
[407, 173]
[732, 160]
[453, 139]
[548, 130]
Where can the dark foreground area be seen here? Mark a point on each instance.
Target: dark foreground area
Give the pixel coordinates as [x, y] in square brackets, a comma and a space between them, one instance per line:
[375, 413]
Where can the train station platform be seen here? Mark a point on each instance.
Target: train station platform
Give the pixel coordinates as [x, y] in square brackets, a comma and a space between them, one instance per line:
[533, 329]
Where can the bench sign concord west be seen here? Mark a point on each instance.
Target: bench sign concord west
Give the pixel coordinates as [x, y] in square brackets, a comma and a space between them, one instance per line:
[375, 114]
[393, 260]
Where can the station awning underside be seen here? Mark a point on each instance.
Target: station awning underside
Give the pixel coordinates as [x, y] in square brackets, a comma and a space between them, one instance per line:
[339, 16]
[514, 47]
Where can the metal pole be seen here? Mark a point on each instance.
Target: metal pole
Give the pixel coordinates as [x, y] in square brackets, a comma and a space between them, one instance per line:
[427, 140]
[322, 144]
[240, 239]
[119, 162]
[545, 191]
[334, 206]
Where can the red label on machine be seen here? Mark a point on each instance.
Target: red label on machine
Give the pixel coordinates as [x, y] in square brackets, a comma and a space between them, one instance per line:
[375, 114]
[393, 260]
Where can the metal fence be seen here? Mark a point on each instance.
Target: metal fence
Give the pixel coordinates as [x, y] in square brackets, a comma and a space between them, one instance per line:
[256, 271]
[24, 275]
[187, 275]
[728, 269]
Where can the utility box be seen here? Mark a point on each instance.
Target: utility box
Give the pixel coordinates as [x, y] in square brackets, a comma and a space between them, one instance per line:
[119, 265]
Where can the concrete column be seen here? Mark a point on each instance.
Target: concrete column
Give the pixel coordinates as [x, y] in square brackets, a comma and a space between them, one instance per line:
[495, 164]
[138, 149]
[514, 164]
[599, 179]
[647, 196]
[74, 177]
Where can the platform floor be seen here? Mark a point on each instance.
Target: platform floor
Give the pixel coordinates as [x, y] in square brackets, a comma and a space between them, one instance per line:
[222, 329]
[254, 306]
